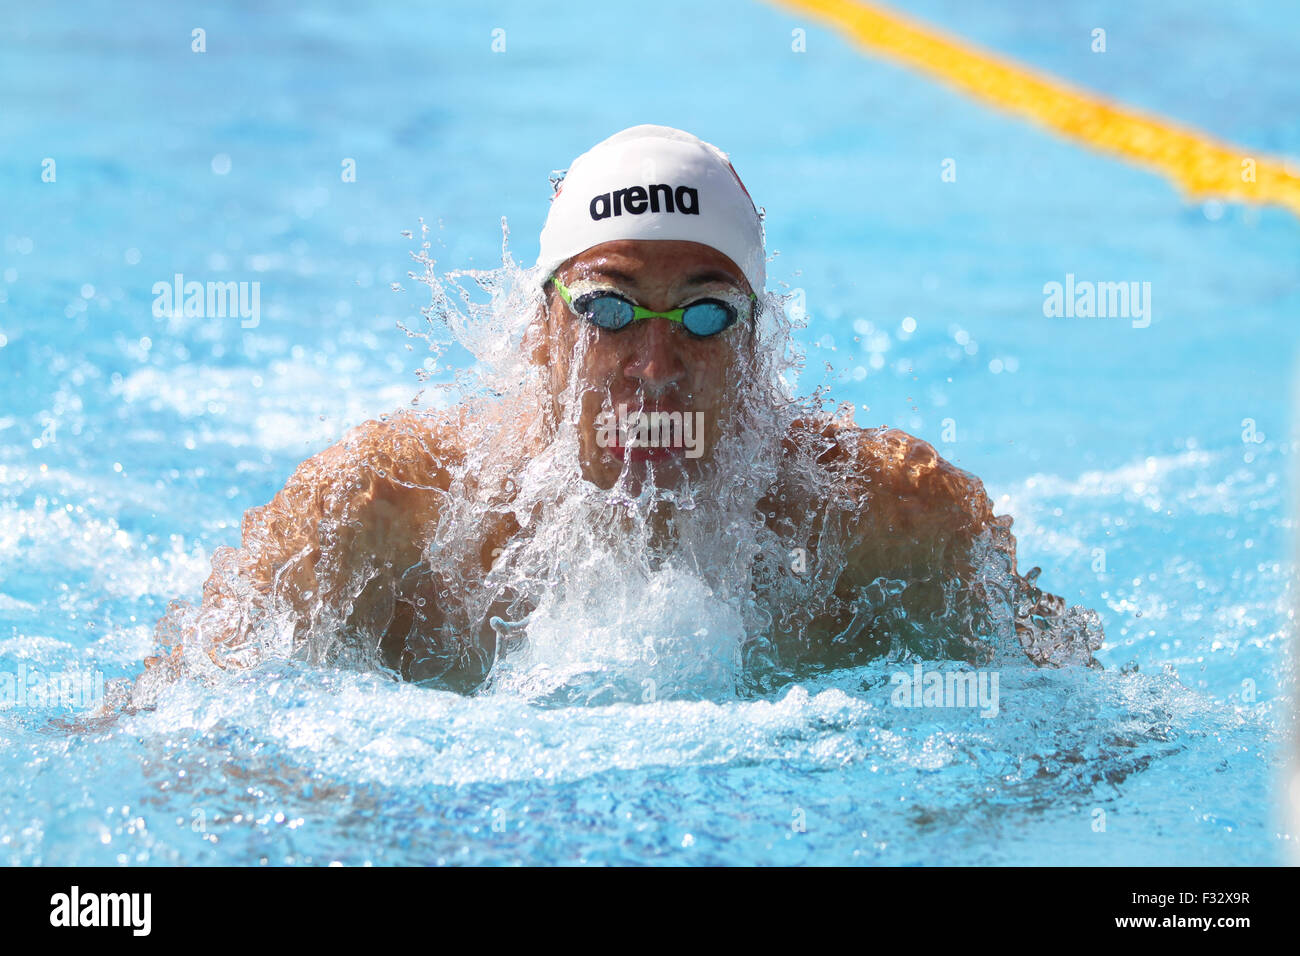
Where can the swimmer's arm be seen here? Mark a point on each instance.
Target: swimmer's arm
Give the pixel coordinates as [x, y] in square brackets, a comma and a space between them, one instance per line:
[346, 516]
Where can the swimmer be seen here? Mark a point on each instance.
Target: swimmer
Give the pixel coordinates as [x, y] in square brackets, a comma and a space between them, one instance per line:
[650, 397]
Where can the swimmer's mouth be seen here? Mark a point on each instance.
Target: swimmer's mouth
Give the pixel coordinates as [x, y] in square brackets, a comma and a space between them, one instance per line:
[649, 432]
[645, 452]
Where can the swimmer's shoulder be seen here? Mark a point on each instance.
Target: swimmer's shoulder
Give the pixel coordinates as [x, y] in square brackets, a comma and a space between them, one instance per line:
[416, 449]
[885, 464]
[399, 463]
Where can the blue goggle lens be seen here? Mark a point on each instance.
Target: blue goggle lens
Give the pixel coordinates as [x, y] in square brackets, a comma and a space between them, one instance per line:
[605, 310]
[708, 317]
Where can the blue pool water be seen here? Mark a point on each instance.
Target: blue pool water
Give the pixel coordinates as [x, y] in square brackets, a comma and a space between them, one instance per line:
[130, 445]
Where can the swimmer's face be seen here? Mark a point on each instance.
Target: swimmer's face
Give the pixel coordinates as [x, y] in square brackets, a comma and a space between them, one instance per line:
[651, 366]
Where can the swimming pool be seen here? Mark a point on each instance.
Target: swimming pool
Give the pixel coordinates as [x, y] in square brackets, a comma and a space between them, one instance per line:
[132, 443]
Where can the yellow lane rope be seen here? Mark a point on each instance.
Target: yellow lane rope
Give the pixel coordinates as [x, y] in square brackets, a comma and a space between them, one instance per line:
[1195, 161]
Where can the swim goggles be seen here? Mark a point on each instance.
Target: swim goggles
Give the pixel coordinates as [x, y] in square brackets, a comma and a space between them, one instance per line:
[610, 310]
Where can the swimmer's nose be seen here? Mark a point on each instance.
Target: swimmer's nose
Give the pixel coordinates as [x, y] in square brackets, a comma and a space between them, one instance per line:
[656, 363]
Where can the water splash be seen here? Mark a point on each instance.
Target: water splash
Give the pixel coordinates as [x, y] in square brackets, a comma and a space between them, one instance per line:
[534, 581]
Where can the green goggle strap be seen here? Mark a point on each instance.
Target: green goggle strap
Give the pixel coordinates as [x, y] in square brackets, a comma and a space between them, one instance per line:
[638, 313]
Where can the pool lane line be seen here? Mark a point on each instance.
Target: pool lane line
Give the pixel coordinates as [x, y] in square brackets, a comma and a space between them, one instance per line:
[1198, 163]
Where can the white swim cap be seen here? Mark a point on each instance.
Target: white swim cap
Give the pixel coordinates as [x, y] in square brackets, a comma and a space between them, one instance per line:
[654, 182]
